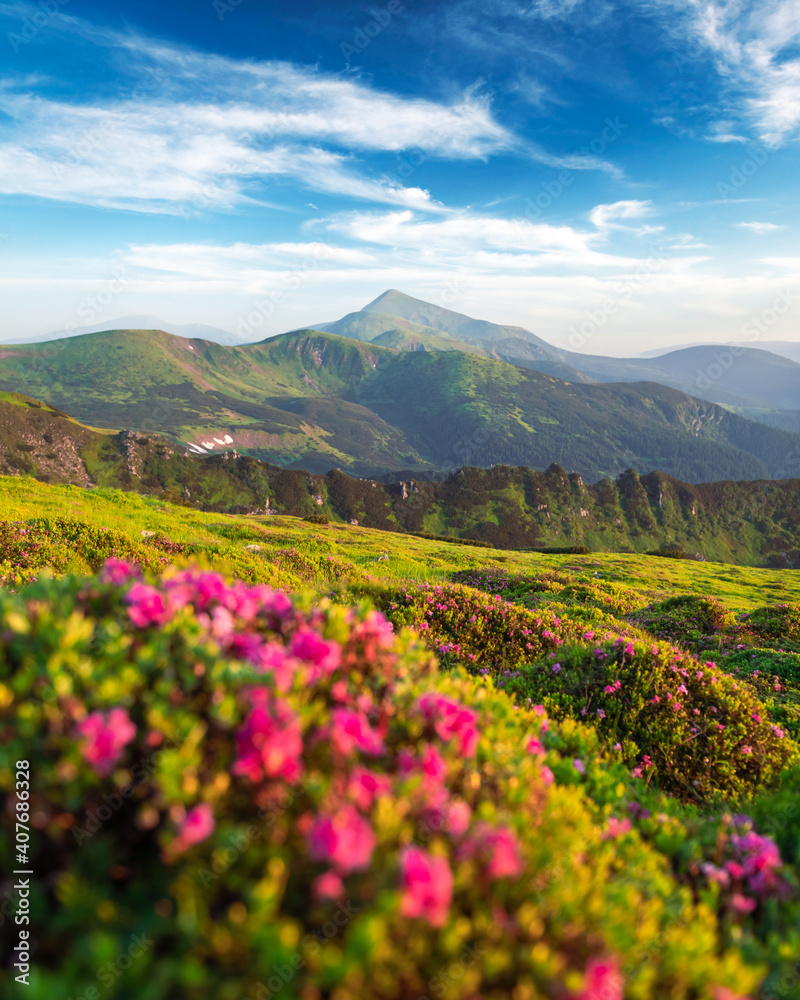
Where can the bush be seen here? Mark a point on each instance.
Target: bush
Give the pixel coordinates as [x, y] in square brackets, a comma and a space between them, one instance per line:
[268, 797]
[535, 591]
[776, 626]
[317, 519]
[670, 552]
[775, 676]
[563, 550]
[698, 623]
[690, 727]
[478, 630]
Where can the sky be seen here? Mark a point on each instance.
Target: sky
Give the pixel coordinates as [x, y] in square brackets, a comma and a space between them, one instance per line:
[613, 175]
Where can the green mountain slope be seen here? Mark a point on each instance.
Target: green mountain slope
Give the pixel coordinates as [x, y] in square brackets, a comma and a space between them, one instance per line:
[754, 379]
[752, 523]
[315, 400]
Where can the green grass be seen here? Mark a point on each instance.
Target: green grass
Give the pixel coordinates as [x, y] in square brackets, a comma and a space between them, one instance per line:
[410, 559]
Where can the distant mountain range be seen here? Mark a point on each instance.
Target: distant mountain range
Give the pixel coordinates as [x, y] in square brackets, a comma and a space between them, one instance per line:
[316, 399]
[752, 381]
[784, 348]
[754, 523]
[143, 322]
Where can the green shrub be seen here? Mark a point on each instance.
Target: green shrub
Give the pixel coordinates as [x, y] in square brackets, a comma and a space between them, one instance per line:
[478, 630]
[777, 626]
[698, 623]
[693, 729]
[775, 676]
[254, 789]
[317, 519]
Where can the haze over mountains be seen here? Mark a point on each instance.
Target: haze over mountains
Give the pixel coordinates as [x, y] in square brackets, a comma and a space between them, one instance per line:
[408, 385]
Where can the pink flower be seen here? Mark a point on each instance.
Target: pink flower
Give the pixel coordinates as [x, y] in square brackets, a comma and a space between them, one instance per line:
[579, 766]
[118, 572]
[270, 743]
[147, 606]
[349, 731]
[746, 749]
[743, 904]
[346, 839]
[616, 828]
[198, 825]
[451, 721]
[271, 658]
[105, 734]
[323, 656]
[602, 981]
[498, 847]
[535, 747]
[547, 776]
[365, 786]
[458, 817]
[328, 886]
[427, 886]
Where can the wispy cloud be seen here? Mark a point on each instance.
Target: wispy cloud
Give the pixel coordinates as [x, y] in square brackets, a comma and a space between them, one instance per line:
[754, 47]
[761, 228]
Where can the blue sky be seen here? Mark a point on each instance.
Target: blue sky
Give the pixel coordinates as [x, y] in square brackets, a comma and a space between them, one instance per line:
[629, 169]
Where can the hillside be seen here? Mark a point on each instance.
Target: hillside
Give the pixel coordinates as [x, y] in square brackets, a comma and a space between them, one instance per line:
[752, 523]
[314, 401]
[754, 378]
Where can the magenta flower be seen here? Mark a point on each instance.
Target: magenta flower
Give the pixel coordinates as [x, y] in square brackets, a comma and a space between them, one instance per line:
[118, 572]
[350, 731]
[328, 886]
[105, 735]
[271, 658]
[322, 655]
[498, 847]
[616, 828]
[451, 720]
[197, 826]
[602, 981]
[270, 743]
[147, 606]
[365, 786]
[427, 886]
[458, 816]
[346, 839]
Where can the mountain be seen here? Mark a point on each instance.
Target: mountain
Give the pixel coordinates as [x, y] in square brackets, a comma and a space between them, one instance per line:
[188, 330]
[783, 348]
[754, 379]
[314, 400]
[754, 523]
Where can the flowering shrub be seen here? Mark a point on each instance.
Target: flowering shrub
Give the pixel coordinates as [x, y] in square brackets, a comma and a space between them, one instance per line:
[474, 629]
[686, 724]
[775, 676]
[699, 623]
[276, 797]
[533, 591]
[778, 626]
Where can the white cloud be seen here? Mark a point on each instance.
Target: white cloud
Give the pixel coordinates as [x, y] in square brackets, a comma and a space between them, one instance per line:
[760, 228]
[754, 47]
[607, 217]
